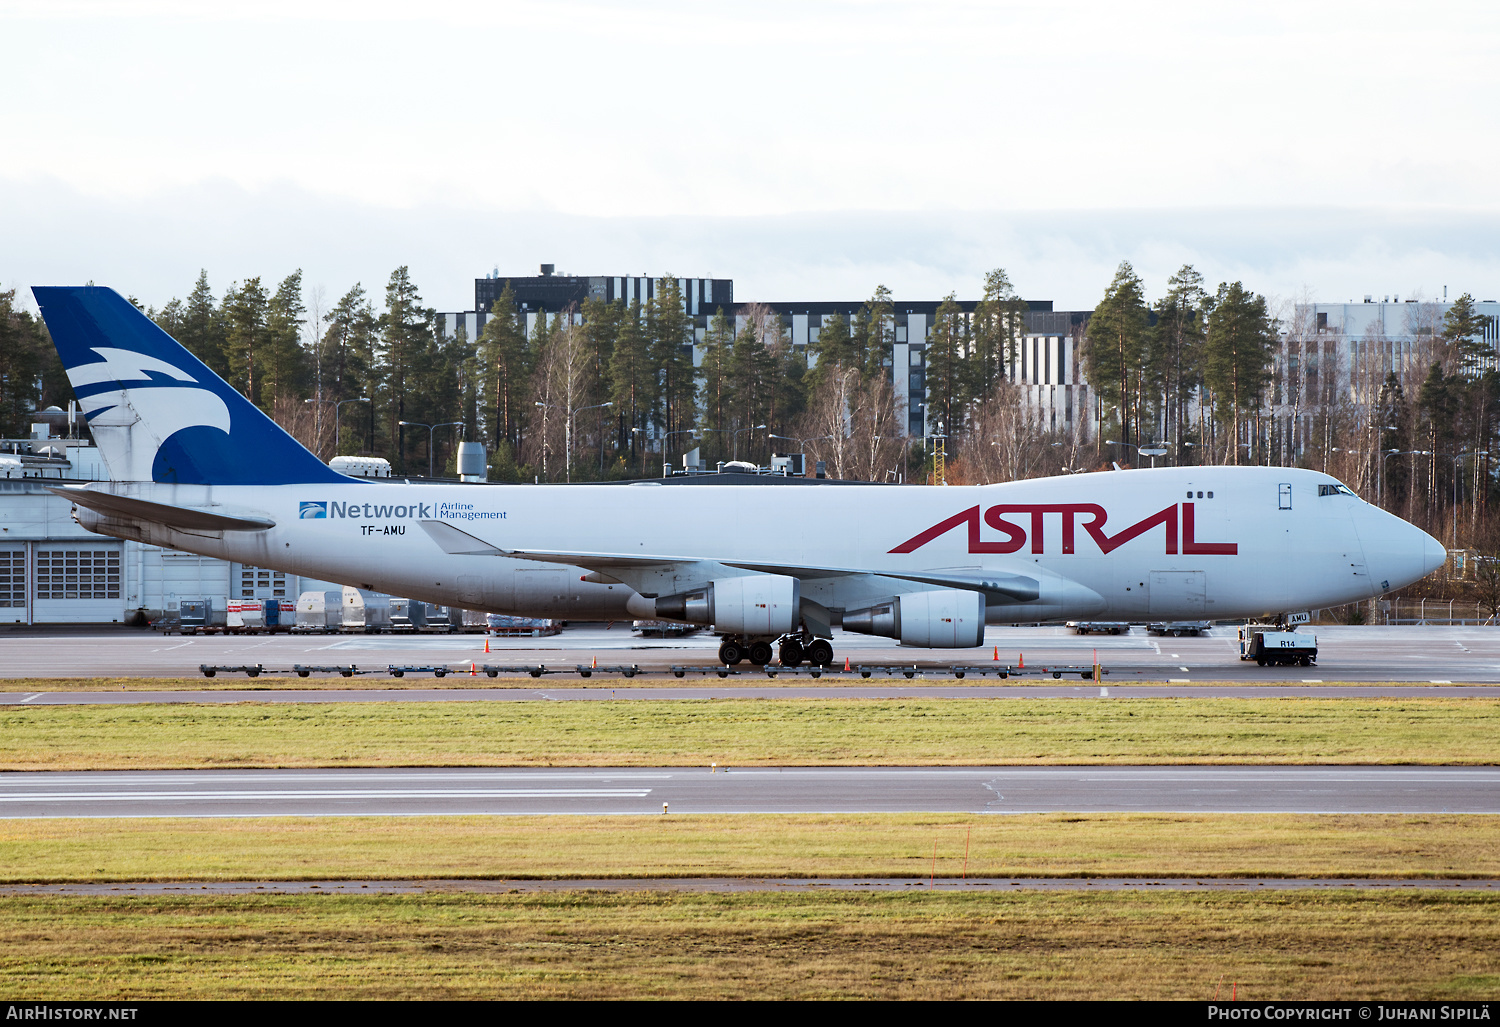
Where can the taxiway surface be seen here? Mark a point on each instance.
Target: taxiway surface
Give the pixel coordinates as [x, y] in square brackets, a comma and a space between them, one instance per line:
[636, 791]
[1417, 655]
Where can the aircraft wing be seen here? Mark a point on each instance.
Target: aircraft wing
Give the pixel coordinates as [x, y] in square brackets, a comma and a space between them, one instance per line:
[159, 513]
[998, 586]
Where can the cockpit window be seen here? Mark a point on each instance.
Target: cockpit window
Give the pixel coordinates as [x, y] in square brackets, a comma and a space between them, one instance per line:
[1335, 490]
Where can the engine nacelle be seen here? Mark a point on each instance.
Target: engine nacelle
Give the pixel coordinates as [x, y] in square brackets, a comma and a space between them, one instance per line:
[945, 619]
[754, 605]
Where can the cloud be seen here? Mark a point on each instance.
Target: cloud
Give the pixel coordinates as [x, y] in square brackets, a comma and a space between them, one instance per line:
[153, 246]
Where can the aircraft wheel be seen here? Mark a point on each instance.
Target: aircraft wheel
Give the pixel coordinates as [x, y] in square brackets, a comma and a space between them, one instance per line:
[820, 652]
[791, 653]
[1260, 663]
[731, 652]
[760, 653]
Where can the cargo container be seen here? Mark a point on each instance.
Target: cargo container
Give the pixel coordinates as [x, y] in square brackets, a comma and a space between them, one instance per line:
[319, 612]
[367, 612]
[198, 616]
[407, 615]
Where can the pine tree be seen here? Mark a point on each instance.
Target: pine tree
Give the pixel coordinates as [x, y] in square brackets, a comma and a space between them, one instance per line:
[504, 355]
[23, 348]
[631, 374]
[1463, 327]
[716, 371]
[832, 350]
[1115, 342]
[874, 332]
[202, 329]
[405, 332]
[348, 354]
[999, 322]
[946, 372]
[1175, 348]
[670, 331]
[246, 339]
[1237, 354]
[286, 363]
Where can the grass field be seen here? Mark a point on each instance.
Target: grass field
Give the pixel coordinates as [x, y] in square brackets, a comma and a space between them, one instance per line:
[902, 845]
[1303, 945]
[740, 732]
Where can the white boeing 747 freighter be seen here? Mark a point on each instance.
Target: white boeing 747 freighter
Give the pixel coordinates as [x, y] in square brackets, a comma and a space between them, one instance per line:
[196, 467]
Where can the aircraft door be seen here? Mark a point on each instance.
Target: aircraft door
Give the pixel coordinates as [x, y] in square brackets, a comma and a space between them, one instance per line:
[1178, 595]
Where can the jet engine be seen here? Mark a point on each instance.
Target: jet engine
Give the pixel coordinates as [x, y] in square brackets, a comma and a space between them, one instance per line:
[944, 619]
[754, 605]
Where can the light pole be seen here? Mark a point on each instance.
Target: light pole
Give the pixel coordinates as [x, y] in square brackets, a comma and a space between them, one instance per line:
[1152, 450]
[666, 461]
[740, 431]
[430, 428]
[568, 434]
[336, 411]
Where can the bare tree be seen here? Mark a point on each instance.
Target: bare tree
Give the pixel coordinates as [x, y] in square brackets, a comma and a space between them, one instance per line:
[560, 384]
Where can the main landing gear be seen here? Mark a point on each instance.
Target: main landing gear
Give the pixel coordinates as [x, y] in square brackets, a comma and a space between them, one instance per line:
[796, 649]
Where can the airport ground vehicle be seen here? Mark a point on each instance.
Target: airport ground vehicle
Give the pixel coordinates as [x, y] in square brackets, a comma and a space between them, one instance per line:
[197, 467]
[1099, 627]
[664, 629]
[1178, 628]
[507, 624]
[1269, 644]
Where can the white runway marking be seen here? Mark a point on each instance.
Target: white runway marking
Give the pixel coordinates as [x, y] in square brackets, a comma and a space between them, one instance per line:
[33, 695]
[342, 793]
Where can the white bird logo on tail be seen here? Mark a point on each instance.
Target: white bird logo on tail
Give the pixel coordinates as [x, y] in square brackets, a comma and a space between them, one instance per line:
[130, 424]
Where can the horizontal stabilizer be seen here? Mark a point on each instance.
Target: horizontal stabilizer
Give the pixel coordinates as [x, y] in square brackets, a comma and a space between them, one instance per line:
[160, 513]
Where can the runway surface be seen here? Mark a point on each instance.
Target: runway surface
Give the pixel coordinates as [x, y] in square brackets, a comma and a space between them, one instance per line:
[1358, 654]
[945, 883]
[603, 791]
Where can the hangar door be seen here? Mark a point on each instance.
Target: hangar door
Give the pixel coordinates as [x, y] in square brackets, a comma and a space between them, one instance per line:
[77, 582]
[13, 584]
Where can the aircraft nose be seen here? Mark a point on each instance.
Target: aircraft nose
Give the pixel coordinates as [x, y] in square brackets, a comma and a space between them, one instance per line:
[1396, 551]
[1434, 554]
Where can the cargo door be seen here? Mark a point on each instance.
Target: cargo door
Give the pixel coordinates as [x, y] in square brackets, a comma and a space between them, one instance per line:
[1178, 595]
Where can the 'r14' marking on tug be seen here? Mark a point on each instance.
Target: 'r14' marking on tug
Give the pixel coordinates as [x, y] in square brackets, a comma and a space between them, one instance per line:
[1016, 535]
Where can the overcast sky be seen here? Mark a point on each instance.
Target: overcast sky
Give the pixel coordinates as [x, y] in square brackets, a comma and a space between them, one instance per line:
[806, 150]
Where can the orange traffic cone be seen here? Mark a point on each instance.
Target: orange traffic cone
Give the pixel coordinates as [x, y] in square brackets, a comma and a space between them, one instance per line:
[486, 643]
[846, 663]
[596, 662]
[1023, 661]
[996, 657]
[473, 670]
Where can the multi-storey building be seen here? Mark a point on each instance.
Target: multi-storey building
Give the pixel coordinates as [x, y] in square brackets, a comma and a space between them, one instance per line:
[1336, 357]
[1045, 364]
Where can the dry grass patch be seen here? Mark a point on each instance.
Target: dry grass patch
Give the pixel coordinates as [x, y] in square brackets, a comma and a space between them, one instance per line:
[319, 848]
[1029, 945]
[782, 732]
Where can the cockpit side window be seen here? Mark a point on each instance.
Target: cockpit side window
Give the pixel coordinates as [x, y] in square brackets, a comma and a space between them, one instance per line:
[1335, 490]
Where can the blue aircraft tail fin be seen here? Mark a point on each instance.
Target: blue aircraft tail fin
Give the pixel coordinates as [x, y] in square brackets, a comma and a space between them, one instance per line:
[156, 411]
